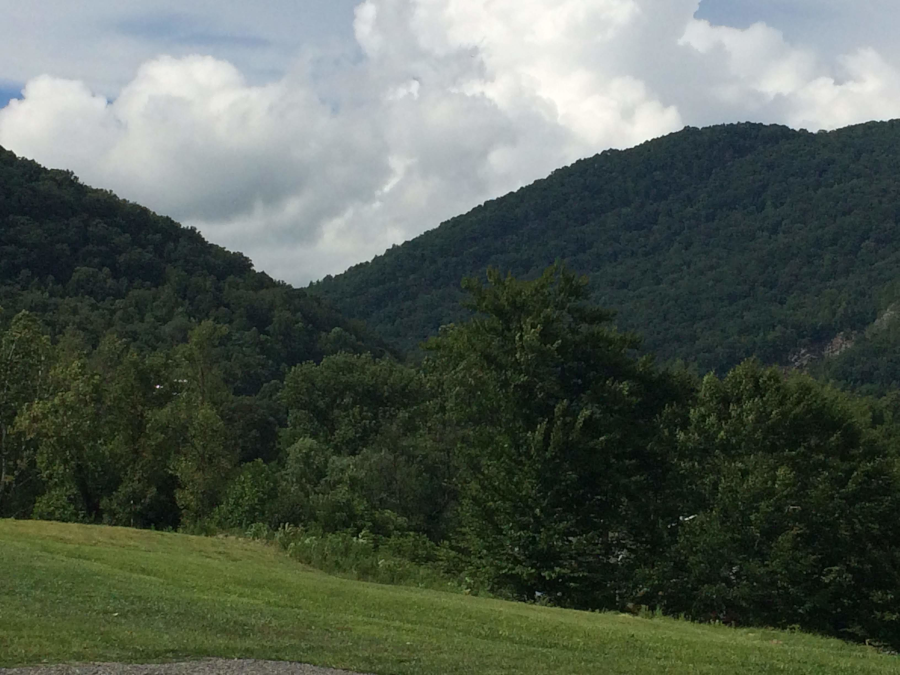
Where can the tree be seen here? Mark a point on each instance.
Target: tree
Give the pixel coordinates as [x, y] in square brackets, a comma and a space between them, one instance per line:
[205, 453]
[68, 427]
[203, 463]
[348, 400]
[794, 515]
[24, 368]
[561, 448]
[135, 388]
[359, 451]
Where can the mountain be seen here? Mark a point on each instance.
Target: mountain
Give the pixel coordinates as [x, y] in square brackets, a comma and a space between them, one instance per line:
[714, 244]
[87, 262]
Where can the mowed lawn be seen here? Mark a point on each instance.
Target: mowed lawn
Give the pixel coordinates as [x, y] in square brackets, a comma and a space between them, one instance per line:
[71, 593]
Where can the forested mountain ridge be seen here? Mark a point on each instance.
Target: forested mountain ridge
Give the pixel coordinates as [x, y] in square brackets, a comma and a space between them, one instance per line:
[715, 244]
[82, 259]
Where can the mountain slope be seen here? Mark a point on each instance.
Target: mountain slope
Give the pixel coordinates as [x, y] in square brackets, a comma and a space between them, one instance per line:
[84, 260]
[714, 244]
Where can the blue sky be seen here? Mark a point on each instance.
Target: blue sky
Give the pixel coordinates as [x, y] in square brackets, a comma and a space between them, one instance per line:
[184, 29]
[9, 90]
[312, 135]
[743, 13]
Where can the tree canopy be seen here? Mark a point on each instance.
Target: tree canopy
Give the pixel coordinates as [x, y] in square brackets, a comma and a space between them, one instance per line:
[561, 435]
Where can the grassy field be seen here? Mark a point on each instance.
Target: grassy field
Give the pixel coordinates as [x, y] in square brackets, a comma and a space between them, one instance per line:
[78, 593]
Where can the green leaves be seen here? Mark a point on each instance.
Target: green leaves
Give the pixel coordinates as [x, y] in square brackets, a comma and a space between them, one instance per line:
[72, 454]
[24, 371]
[363, 448]
[203, 461]
[558, 420]
[793, 516]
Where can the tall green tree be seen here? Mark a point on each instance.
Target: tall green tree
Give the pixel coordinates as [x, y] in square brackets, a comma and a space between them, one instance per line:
[68, 427]
[135, 389]
[205, 452]
[24, 369]
[793, 520]
[561, 452]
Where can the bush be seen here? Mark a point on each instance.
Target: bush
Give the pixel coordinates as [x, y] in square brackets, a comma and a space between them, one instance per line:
[409, 560]
[248, 498]
[58, 504]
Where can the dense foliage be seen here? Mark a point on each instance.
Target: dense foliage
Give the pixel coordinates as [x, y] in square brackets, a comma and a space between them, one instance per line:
[119, 290]
[88, 262]
[716, 245]
[533, 453]
[789, 517]
[561, 451]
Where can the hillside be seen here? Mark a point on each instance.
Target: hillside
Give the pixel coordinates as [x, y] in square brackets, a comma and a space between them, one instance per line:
[74, 593]
[713, 244]
[83, 260]
[155, 383]
[140, 365]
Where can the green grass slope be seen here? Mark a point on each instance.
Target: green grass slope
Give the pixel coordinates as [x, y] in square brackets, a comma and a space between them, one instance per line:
[715, 244]
[79, 593]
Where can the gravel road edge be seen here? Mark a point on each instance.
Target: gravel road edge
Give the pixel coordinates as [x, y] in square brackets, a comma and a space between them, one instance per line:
[202, 667]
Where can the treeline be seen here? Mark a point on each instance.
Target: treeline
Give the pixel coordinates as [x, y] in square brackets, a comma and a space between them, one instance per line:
[532, 453]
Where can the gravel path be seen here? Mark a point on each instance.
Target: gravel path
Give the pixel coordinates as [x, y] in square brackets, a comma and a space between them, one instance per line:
[205, 667]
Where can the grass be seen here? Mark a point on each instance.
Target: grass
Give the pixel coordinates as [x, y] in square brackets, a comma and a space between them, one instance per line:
[73, 593]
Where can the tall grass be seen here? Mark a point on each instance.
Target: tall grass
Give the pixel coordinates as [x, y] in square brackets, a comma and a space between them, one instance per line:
[403, 560]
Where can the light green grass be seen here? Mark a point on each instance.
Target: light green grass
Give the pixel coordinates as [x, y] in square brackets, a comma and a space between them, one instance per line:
[77, 593]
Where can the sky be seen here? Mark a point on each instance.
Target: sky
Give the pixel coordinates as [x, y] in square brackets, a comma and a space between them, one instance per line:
[315, 134]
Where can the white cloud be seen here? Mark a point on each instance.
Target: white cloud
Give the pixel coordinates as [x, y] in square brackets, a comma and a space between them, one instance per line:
[763, 75]
[866, 87]
[103, 42]
[758, 58]
[190, 138]
[451, 102]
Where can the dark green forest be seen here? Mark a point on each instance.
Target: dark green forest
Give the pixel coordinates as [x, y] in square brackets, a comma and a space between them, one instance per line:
[93, 287]
[90, 264]
[715, 244]
[533, 449]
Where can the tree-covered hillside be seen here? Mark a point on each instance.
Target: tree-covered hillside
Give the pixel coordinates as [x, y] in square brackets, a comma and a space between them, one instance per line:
[86, 262]
[140, 365]
[715, 244]
[150, 379]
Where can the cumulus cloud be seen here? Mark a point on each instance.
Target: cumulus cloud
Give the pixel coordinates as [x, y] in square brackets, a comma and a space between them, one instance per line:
[761, 72]
[448, 103]
[191, 138]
